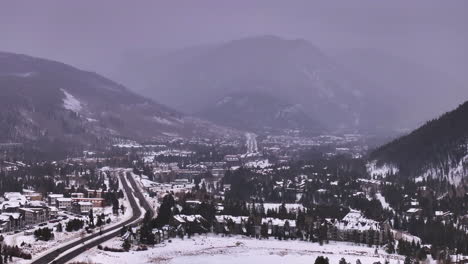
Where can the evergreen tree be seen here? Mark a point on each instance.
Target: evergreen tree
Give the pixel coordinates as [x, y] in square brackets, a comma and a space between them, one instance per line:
[126, 245]
[91, 218]
[321, 260]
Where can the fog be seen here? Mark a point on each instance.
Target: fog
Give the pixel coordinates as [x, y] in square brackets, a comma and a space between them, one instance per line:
[101, 36]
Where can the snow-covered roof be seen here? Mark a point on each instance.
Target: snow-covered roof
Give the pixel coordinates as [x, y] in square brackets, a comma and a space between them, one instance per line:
[188, 218]
[413, 210]
[64, 199]
[13, 215]
[235, 219]
[53, 195]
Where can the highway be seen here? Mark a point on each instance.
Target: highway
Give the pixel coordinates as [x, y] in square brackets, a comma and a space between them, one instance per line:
[81, 246]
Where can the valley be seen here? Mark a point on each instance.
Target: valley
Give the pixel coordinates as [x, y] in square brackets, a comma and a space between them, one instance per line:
[233, 132]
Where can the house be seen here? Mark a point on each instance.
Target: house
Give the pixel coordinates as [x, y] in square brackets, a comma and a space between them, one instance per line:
[227, 224]
[189, 224]
[414, 212]
[280, 227]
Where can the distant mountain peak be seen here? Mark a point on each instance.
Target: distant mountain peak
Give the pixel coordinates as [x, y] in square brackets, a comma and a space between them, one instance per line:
[294, 70]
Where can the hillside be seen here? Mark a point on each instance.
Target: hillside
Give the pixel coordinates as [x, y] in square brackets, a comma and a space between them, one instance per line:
[438, 149]
[50, 102]
[294, 70]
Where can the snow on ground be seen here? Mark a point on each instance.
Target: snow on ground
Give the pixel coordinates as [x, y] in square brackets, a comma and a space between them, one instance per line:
[214, 249]
[383, 170]
[164, 121]
[71, 103]
[397, 234]
[40, 247]
[384, 203]
[454, 175]
[143, 183]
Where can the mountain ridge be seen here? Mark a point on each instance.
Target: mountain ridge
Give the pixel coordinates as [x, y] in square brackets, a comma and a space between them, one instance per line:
[293, 70]
[47, 101]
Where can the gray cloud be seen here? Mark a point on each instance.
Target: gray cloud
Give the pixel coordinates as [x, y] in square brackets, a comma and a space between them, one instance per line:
[95, 34]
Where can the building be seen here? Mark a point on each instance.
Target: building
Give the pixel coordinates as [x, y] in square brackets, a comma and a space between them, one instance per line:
[280, 227]
[82, 207]
[189, 224]
[77, 195]
[33, 216]
[10, 222]
[227, 224]
[64, 203]
[52, 198]
[96, 202]
[33, 196]
[94, 193]
[357, 228]
[414, 212]
[15, 197]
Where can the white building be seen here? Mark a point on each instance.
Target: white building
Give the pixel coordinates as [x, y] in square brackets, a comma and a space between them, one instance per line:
[64, 203]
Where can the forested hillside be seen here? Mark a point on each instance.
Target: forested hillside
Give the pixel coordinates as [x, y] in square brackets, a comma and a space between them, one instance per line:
[438, 148]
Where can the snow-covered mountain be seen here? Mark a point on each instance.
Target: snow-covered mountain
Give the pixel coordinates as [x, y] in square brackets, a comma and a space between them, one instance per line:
[439, 149]
[47, 101]
[294, 70]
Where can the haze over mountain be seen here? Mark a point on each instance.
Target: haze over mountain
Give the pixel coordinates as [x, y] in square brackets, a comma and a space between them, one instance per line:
[47, 101]
[438, 149]
[292, 71]
[419, 91]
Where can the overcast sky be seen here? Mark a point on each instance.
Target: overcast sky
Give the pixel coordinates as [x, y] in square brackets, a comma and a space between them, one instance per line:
[95, 34]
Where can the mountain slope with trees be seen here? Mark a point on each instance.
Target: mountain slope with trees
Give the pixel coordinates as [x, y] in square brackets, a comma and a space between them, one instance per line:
[51, 104]
[438, 149]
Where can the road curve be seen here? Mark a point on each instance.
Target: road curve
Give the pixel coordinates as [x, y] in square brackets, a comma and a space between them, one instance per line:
[85, 244]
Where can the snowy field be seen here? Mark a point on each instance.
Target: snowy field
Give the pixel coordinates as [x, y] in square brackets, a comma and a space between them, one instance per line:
[214, 249]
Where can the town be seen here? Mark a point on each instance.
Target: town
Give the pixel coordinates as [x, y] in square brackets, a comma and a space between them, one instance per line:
[239, 187]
